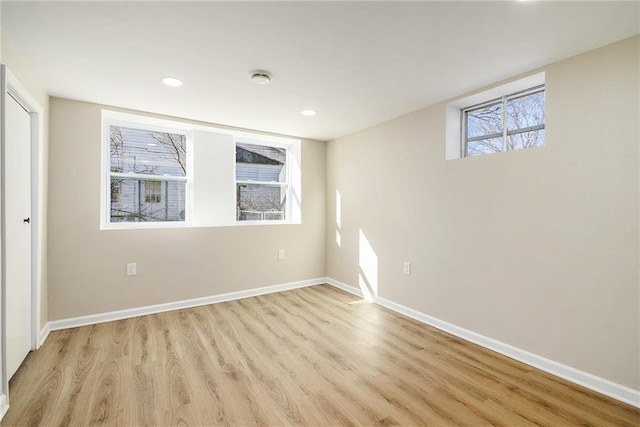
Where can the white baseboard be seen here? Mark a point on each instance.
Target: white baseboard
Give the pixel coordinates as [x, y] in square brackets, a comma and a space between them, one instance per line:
[4, 407]
[75, 322]
[347, 288]
[585, 379]
[590, 381]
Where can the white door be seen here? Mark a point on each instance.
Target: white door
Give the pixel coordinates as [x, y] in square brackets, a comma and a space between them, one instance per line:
[17, 175]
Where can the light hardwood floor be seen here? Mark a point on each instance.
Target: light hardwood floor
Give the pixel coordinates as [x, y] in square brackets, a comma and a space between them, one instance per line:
[312, 356]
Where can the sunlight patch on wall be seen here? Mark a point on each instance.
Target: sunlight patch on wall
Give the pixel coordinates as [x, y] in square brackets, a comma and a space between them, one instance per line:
[338, 209]
[364, 287]
[338, 218]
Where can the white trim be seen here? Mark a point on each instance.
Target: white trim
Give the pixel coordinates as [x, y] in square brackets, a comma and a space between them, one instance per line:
[590, 381]
[601, 385]
[290, 184]
[4, 387]
[93, 319]
[20, 94]
[294, 161]
[4, 406]
[105, 195]
[10, 85]
[347, 288]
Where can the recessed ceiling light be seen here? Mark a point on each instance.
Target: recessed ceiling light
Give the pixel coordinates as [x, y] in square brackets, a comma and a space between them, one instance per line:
[308, 112]
[172, 81]
[260, 77]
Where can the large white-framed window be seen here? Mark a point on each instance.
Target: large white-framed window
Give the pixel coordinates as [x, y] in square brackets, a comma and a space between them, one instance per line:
[263, 188]
[505, 118]
[147, 174]
[160, 173]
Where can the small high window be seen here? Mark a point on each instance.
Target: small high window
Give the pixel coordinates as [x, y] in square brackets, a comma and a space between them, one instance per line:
[512, 122]
[262, 185]
[503, 118]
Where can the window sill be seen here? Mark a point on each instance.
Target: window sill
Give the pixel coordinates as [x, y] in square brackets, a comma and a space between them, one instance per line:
[144, 225]
[170, 225]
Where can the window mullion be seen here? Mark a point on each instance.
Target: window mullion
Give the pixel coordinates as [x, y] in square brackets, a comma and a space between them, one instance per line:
[504, 123]
[147, 177]
[527, 129]
[481, 137]
[465, 132]
[261, 182]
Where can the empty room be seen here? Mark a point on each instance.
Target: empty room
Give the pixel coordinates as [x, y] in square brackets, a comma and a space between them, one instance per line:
[320, 213]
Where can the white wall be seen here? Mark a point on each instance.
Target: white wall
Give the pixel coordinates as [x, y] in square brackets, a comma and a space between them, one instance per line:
[87, 265]
[23, 71]
[32, 82]
[536, 248]
[213, 198]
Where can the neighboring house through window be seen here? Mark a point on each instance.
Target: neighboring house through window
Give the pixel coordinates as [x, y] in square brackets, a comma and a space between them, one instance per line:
[261, 182]
[146, 164]
[153, 191]
[162, 173]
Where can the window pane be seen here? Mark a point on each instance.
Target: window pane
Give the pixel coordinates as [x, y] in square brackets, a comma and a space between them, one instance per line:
[260, 202]
[147, 152]
[260, 163]
[484, 146]
[485, 120]
[526, 140]
[144, 201]
[152, 191]
[525, 111]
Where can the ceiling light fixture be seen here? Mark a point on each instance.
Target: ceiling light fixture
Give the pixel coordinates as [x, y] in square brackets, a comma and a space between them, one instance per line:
[260, 77]
[172, 81]
[308, 112]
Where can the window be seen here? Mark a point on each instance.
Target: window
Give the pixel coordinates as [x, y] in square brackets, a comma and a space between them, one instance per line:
[261, 182]
[159, 173]
[147, 174]
[152, 191]
[504, 118]
[513, 122]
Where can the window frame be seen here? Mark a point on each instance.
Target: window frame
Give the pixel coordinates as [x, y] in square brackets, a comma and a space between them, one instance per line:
[288, 183]
[454, 132]
[164, 126]
[219, 194]
[502, 100]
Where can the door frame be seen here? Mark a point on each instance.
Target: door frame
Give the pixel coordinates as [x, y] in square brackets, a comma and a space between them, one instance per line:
[11, 86]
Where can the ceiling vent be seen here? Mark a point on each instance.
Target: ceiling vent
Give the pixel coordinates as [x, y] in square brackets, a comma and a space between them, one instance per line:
[260, 77]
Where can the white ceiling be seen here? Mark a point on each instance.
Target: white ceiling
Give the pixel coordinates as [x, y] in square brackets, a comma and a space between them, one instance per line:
[357, 63]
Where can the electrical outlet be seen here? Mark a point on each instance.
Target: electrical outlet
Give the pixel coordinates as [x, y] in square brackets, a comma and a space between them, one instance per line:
[407, 268]
[132, 269]
[281, 254]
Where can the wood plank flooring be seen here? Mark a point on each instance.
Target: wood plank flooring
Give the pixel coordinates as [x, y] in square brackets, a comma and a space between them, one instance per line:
[314, 356]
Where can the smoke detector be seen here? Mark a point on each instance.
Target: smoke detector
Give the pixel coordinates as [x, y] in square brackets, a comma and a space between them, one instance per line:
[260, 77]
